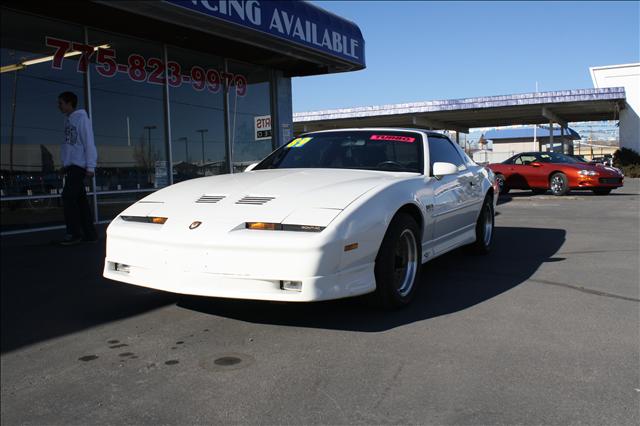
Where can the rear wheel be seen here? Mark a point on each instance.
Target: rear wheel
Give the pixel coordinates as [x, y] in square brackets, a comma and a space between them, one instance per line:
[484, 228]
[502, 184]
[397, 268]
[602, 191]
[559, 184]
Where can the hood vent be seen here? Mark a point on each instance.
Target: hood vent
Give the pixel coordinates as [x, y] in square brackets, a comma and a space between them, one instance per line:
[210, 199]
[257, 201]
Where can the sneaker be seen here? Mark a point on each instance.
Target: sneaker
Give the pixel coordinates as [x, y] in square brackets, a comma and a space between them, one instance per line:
[70, 240]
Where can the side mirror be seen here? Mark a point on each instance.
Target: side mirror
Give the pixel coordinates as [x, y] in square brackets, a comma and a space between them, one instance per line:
[250, 167]
[535, 164]
[443, 169]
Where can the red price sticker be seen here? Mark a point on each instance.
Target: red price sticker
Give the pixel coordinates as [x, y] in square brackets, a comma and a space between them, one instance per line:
[393, 138]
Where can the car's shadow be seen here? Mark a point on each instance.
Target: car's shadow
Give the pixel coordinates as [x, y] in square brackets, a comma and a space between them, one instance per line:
[525, 194]
[454, 282]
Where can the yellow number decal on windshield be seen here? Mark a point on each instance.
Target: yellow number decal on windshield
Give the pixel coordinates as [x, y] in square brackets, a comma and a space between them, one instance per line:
[298, 142]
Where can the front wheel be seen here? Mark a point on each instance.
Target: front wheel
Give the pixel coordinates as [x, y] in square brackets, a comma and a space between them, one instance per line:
[484, 228]
[601, 191]
[559, 184]
[397, 268]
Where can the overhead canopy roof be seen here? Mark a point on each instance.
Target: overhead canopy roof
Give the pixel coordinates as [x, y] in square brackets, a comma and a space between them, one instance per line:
[462, 114]
[298, 38]
[309, 27]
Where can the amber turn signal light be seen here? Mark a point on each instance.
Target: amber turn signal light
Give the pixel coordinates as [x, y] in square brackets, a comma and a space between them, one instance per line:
[265, 226]
[351, 246]
[145, 219]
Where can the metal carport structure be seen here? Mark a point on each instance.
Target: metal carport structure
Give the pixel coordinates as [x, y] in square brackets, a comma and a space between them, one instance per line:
[559, 107]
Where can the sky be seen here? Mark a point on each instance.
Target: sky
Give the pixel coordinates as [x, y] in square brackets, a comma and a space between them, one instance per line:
[419, 51]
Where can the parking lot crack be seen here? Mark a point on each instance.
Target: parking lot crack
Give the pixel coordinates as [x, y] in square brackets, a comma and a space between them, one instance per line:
[585, 290]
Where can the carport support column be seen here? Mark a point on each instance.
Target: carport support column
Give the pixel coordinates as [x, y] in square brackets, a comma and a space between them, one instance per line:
[551, 149]
[564, 148]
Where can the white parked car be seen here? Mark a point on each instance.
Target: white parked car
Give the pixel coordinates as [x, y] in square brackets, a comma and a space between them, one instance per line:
[329, 215]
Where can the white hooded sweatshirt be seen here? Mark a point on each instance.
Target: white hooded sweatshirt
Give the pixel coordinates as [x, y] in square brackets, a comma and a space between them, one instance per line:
[79, 148]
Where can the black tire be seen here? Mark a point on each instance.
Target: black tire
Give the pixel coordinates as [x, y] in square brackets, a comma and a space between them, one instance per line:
[502, 184]
[539, 191]
[392, 291]
[602, 191]
[484, 228]
[559, 184]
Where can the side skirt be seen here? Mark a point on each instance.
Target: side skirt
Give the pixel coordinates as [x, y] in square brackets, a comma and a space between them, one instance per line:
[431, 250]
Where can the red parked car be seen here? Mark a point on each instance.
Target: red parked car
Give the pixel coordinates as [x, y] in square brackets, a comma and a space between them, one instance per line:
[542, 171]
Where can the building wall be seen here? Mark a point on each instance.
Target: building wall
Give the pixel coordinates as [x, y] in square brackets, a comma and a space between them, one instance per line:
[514, 147]
[501, 151]
[627, 76]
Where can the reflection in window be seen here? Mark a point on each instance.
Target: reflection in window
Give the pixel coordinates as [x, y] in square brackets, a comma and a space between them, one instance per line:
[247, 106]
[31, 126]
[128, 115]
[197, 114]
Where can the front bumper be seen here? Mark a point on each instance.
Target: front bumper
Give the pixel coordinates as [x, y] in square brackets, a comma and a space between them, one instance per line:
[342, 284]
[221, 260]
[592, 182]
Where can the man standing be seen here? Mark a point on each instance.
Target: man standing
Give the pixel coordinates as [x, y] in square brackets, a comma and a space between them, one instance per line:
[79, 158]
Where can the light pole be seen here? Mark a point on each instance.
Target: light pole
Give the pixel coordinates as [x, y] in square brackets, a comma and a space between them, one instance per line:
[149, 129]
[202, 132]
[186, 148]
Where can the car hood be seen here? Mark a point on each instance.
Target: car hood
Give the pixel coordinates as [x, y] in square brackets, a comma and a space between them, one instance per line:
[265, 195]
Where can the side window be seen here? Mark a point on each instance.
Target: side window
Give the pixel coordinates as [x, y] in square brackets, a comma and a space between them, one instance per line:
[441, 149]
[526, 159]
[518, 160]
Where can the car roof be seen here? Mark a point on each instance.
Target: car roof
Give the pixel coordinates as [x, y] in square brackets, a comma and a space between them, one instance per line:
[396, 129]
[536, 152]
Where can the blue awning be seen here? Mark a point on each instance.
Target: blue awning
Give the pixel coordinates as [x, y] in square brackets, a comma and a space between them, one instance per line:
[297, 22]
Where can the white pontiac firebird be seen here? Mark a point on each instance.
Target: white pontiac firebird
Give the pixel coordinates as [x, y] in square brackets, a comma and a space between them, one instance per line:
[331, 214]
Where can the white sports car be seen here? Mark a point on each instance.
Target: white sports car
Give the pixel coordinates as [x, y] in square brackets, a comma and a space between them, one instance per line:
[331, 214]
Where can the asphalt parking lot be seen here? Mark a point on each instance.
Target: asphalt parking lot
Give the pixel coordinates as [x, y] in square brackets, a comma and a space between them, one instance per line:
[544, 330]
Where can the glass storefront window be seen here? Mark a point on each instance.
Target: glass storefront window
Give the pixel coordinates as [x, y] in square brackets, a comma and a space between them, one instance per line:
[32, 128]
[128, 113]
[126, 80]
[249, 114]
[196, 100]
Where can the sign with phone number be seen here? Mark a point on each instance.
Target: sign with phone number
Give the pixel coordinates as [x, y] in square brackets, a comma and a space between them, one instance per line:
[139, 69]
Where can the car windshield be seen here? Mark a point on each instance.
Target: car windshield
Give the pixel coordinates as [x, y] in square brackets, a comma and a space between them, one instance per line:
[554, 157]
[368, 150]
[541, 157]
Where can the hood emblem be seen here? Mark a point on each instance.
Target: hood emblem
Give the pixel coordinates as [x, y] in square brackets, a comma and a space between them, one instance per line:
[195, 224]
